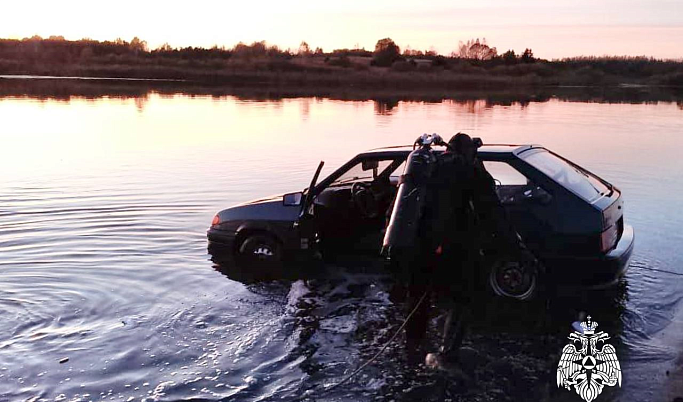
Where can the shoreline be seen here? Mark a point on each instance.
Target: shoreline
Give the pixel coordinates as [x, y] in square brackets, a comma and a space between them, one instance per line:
[209, 83]
[318, 73]
[58, 77]
[68, 87]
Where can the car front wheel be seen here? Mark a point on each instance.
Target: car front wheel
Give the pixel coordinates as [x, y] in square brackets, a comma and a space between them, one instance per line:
[261, 248]
[513, 279]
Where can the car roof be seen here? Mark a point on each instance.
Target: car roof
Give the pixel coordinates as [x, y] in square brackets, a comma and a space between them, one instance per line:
[484, 150]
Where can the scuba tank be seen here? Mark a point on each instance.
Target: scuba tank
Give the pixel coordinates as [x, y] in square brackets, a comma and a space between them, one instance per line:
[401, 240]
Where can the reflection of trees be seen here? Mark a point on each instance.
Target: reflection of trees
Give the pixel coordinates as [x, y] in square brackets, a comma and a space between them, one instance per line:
[65, 89]
[140, 102]
[474, 106]
[384, 106]
[305, 105]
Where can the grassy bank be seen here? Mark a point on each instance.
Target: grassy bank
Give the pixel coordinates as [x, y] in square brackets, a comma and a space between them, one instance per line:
[259, 65]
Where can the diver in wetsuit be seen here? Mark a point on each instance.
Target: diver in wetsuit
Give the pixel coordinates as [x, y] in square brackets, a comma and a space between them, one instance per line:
[464, 213]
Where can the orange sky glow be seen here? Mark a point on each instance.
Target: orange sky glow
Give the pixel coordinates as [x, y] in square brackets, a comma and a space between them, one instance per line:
[551, 29]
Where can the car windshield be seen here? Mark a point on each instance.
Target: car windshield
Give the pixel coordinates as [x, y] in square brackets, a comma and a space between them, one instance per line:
[356, 173]
[581, 182]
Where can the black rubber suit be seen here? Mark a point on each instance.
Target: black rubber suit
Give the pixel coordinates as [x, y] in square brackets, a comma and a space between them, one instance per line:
[464, 213]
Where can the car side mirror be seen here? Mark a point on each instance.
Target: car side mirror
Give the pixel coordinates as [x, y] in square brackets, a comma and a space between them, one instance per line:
[292, 199]
[370, 164]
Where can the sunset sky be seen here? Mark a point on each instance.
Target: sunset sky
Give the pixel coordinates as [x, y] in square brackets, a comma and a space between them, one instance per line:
[552, 30]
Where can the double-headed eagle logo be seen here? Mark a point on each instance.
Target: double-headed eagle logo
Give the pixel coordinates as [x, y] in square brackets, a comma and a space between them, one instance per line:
[588, 368]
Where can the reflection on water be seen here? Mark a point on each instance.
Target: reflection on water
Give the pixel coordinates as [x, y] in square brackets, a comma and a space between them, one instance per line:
[65, 90]
[385, 106]
[108, 189]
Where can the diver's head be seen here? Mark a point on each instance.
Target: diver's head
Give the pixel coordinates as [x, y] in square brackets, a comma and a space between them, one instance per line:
[462, 144]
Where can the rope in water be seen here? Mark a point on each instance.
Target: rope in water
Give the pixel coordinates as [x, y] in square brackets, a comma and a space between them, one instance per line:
[659, 270]
[386, 345]
[405, 322]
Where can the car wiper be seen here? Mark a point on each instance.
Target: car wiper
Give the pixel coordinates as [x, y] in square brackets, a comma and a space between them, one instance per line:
[589, 182]
[611, 188]
[581, 172]
[607, 184]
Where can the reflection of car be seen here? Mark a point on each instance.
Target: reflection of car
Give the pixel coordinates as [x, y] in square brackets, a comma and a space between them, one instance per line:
[571, 219]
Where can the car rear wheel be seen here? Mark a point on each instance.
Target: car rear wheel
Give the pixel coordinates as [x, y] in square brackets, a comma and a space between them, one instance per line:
[513, 279]
[261, 248]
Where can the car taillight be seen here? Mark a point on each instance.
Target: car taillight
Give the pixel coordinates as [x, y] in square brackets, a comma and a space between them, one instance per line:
[216, 220]
[608, 238]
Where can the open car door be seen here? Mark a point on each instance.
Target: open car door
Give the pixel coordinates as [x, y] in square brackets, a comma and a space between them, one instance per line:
[306, 222]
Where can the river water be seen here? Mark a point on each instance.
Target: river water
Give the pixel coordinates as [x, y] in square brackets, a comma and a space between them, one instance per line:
[106, 195]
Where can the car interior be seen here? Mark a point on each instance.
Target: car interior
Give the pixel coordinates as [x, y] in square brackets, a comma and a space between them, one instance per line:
[512, 187]
[353, 210]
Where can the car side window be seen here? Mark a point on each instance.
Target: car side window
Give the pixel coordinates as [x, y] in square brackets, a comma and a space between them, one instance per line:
[504, 174]
[512, 187]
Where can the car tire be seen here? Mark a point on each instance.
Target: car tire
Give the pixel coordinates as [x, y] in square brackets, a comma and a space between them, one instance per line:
[513, 279]
[261, 248]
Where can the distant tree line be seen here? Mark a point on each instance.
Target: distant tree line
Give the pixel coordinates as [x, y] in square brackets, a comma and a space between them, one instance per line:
[56, 49]
[474, 58]
[474, 50]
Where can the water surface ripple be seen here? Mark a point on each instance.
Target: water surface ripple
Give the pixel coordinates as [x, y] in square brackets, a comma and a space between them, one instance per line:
[107, 291]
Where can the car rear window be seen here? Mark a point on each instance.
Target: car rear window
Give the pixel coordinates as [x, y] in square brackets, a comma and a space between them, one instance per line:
[581, 182]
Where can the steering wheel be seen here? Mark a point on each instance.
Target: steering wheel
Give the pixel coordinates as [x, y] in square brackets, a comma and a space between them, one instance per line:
[364, 199]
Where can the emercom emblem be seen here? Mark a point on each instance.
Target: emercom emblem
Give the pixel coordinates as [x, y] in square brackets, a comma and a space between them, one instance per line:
[588, 368]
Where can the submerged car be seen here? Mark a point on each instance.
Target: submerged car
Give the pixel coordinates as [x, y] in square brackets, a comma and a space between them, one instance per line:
[571, 219]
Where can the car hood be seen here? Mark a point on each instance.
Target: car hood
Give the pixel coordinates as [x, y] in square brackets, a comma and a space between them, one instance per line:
[268, 208]
[271, 198]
